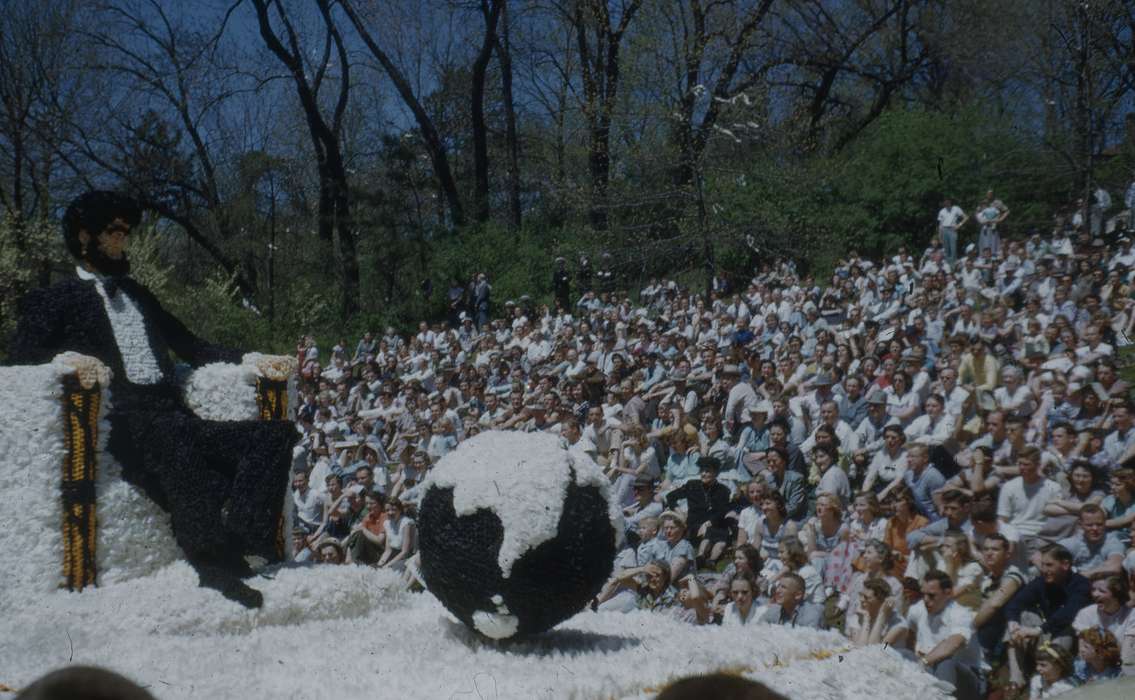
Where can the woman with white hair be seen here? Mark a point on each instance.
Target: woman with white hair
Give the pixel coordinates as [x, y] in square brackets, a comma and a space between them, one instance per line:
[1014, 396]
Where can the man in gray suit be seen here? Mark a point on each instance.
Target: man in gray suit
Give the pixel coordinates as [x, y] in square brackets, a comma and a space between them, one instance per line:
[789, 607]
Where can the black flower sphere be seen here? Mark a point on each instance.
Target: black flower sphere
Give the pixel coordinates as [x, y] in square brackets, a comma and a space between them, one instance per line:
[517, 533]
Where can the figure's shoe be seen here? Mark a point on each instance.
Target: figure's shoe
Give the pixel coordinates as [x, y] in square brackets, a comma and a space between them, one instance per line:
[225, 579]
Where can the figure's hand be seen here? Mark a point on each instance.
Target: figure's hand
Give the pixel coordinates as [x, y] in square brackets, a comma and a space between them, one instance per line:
[276, 367]
[90, 370]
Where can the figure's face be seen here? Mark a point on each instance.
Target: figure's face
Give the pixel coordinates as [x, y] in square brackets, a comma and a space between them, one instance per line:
[112, 240]
[106, 250]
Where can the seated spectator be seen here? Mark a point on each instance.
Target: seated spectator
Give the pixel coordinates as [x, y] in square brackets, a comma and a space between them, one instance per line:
[1109, 610]
[923, 479]
[751, 517]
[1120, 505]
[308, 505]
[682, 465]
[775, 527]
[825, 531]
[707, 505]
[742, 608]
[1043, 610]
[792, 559]
[1054, 669]
[644, 506]
[1099, 657]
[955, 507]
[978, 478]
[833, 479]
[790, 607]
[875, 561]
[867, 522]
[905, 520]
[673, 547]
[790, 484]
[1001, 582]
[954, 558]
[329, 551]
[938, 633]
[874, 616]
[1063, 513]
[367, 540]
[650, 585]
[401, 536]
[1022, 500]
[1095, 551]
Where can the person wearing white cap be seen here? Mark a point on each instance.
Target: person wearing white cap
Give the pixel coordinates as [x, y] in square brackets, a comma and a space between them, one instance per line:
[754, 440]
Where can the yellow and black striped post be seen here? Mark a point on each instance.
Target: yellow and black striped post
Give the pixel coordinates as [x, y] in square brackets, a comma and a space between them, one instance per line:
[77, 489]
[272, 401]
[272, 398]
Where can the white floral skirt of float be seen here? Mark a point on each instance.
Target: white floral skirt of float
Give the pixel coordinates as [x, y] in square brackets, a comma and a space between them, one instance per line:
[183, 641]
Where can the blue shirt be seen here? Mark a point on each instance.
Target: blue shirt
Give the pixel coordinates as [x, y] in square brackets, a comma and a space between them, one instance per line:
[1086, 556]
[682, 468]
[922, 487]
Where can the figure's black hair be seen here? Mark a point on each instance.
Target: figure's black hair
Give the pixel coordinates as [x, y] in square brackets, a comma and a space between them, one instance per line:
[93, 211]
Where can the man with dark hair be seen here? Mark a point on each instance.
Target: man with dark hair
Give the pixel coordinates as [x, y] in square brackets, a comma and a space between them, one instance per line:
[223, 483]
[1044, 609]
[941, 635]
[1001, 582]
[84, 683]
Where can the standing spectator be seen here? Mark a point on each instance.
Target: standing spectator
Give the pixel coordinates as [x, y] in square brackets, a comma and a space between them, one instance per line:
[950, 219]
[561, 284]
[989, 214]
[481, 290]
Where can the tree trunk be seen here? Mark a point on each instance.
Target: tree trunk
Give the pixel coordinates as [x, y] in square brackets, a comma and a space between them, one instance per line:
[434, 146]
[492, 12]
[504, 55]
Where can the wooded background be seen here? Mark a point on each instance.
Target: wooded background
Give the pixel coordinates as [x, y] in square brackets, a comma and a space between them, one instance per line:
[314, 164]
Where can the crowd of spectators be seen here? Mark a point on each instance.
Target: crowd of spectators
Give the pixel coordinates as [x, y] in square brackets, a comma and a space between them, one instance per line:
[933, 451]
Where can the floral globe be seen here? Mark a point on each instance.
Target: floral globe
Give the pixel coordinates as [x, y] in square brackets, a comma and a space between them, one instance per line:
[517, 532]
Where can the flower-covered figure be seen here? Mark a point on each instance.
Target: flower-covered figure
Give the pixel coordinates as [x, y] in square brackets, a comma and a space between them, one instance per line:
[223, 483]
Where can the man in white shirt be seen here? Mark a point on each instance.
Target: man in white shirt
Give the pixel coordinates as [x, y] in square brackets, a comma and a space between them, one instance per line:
[950, 219]
[1022, 499]
[943, 635]
[741, 396]
[829, 415]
